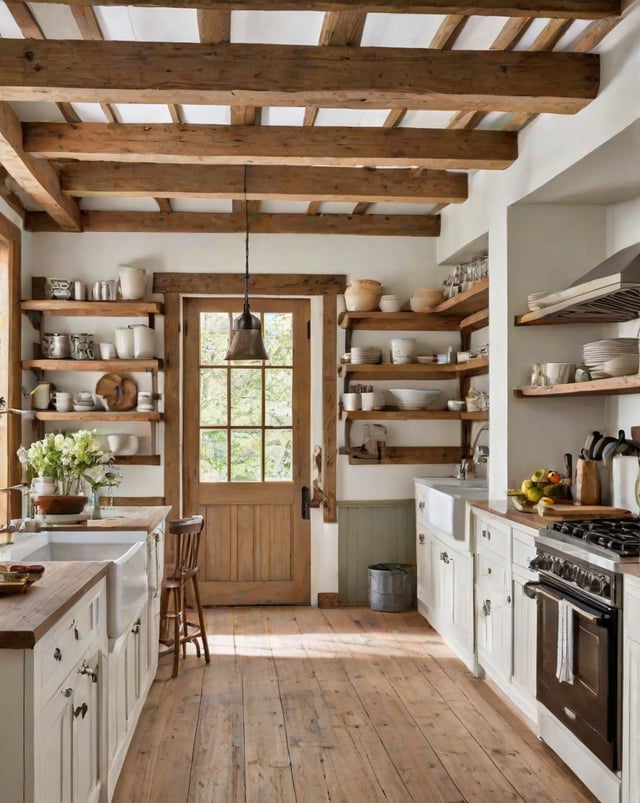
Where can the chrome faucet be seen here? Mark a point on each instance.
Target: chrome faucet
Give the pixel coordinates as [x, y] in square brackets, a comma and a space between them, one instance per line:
[465, 466]
[479, 458]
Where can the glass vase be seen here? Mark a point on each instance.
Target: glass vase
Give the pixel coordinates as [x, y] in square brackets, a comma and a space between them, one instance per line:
[96, 512]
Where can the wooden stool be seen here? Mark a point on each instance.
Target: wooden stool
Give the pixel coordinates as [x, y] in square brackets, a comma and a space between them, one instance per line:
[184, 570]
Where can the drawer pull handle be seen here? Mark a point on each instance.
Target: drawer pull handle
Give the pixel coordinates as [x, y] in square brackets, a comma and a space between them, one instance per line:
[486, 607]
[66, 692]
[57, 654]
[136, 626]
[489, 570]
[421, 538]
[420, 505]
[85, 669]
[571, 714]
[81, 710]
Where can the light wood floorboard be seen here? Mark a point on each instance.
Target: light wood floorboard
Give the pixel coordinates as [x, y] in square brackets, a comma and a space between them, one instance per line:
[345, 705]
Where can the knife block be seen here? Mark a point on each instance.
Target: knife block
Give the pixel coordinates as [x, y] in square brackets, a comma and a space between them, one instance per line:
[587, 482]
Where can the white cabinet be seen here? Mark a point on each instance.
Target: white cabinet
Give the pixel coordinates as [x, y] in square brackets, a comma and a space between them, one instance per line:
[445, 590]
[493, 598]
[525, 624]
[631, 691]
[54, 746]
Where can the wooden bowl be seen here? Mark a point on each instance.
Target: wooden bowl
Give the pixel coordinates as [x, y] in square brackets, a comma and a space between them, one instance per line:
[60, 505]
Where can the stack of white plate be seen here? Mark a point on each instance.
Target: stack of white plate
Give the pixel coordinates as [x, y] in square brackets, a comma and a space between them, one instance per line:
[365, 355]
[596, 354]
[533, 300]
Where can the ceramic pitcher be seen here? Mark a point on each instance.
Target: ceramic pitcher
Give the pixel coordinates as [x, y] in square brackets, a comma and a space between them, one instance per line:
[132, 282]
[124, 342]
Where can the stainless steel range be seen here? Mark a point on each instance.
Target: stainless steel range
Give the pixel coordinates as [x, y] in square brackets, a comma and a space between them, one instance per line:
[579, 624]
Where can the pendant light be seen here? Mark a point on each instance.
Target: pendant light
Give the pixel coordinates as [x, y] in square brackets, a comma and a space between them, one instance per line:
[246, 334]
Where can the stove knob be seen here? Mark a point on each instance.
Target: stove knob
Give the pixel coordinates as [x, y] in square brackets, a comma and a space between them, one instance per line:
[582, 579]
[606, 587]
[558, 566]
[570, 572]
[596, 584]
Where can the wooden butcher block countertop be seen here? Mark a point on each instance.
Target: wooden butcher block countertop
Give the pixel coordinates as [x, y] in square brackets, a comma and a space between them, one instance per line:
[122, 518]
[502, 508]
[26, 617]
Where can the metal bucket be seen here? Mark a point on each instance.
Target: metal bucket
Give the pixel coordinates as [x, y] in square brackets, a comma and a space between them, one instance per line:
[392, 586]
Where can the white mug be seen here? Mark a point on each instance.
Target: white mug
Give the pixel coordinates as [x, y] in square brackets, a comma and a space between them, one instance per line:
[143, 342]
[64, 402]
[351, 401]
[108, 351]
[145, 399]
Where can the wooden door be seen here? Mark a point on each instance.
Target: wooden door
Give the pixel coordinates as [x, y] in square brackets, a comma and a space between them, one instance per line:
[246, 454]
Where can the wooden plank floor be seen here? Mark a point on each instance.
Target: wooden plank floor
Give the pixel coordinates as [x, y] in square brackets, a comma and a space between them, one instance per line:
[349, 705]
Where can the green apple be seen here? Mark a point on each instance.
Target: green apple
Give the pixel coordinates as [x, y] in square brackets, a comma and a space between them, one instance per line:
[540, 475]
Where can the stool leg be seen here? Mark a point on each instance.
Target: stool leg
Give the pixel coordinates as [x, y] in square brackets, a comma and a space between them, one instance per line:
[176, 631]
[203, 630]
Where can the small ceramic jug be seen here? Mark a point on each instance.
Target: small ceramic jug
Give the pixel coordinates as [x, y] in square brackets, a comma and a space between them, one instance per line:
[132, 282]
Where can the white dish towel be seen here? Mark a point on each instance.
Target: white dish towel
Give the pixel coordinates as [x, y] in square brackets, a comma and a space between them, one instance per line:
[564, 658]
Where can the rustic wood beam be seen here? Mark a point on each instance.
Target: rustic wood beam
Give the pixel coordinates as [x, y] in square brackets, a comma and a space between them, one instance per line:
[36, 176]
[263, 183]
[293, 75]
[205, 223]
[583, 9]
[272, 284]
[275, 145]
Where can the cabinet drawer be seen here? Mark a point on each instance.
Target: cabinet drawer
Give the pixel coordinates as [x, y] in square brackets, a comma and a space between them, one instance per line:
[491, 570]
[61, 648]
[524, 550]
[493, 536]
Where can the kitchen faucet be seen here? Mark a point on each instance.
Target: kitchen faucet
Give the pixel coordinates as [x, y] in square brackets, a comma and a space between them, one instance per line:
[465, 466]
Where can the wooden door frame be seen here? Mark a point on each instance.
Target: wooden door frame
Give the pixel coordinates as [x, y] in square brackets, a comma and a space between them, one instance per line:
[176, 286]
[11, 387]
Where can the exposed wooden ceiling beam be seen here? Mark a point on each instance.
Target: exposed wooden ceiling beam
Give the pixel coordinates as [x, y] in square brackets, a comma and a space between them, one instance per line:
[202, 144]
[203, 223]
[582, 9]
[36, 177]
[291, 75]
[263, 183]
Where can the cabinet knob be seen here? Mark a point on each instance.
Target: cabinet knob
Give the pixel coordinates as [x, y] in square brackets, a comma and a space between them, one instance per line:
[66, 692]
[85, 669]
[421, 538]
[421, 505]
[57, 654]
[509, 599]
[136, 626]
[489, 570]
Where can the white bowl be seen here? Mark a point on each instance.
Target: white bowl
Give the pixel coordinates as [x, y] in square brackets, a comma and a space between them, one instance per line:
[622, 365]
[412, 398]
[117, 441]
[455, 405]
[131, 446]
[390, 305]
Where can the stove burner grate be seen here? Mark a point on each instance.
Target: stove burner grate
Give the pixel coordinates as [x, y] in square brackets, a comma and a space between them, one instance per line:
[621, 536]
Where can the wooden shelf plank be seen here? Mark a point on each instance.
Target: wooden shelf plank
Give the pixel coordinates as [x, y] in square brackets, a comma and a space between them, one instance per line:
[138, 460]
[612, 386]
[406, 455]
[393, 414]
[397, 321]
[93, 365]
[475, 321]
[74, 309]
[464, 304]
[97, 415]
[541, 318]
[474, 367]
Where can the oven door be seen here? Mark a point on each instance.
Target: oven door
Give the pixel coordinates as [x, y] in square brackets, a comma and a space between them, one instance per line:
[577, 667]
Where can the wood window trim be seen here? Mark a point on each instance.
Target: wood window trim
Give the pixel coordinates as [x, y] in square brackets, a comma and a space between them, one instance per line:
[11, 384]
[176, 285]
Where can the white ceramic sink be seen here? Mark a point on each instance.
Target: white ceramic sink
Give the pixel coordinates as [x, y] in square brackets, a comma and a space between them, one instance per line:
[446, 501]
[127, 574]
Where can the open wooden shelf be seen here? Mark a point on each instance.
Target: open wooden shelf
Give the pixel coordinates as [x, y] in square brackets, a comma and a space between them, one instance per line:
[75, 309]
[612, 386]
[393, 414]
[93, 365]
[97, 415]
[474, 367]
[138, 460]
[468, 310]
[406, 455]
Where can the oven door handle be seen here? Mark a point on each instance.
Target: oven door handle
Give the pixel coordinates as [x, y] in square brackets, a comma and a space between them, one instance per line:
[534, 590]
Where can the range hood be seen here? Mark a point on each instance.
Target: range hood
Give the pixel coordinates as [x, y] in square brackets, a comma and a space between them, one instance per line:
[609, 292]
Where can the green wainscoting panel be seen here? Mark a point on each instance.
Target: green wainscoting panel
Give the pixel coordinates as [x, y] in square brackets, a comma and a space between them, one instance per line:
[372, 532]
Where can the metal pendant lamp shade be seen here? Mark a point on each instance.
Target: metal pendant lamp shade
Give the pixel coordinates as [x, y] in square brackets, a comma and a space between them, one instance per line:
[246, 334]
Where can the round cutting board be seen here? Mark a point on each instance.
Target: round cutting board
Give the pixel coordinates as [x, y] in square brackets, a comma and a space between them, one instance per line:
[119, 394]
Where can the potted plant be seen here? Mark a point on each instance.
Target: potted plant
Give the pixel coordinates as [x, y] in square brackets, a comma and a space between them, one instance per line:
[59, 465]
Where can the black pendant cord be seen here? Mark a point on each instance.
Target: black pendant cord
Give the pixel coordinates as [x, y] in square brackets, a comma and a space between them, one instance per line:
[246, 242]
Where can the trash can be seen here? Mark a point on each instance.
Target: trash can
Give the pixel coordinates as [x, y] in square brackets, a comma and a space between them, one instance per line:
[392, 586]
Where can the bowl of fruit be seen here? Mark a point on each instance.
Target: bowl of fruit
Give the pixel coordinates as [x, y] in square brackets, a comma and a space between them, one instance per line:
[543, 487]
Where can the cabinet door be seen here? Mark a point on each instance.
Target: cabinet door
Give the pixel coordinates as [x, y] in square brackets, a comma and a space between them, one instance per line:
[86, 731]
[460, 583]
[631, 722]
[423, 564]
[494, 629]
[524, 635]
[439, 581]
[117, 697]
[53, 776]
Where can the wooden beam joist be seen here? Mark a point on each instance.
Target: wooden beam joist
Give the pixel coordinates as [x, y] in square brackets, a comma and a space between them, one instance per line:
[436, 149]
[214, 223]
[231, 284]
[37, 177]
[581, 9]
[293, 75]
[263, 183]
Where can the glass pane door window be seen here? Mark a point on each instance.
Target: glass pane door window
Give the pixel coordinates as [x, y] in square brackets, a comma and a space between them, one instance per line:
[246, 421]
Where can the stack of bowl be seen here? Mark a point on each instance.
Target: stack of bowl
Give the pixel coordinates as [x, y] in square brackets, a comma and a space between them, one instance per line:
[390, 303]
[365, 355]
[424, 299]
